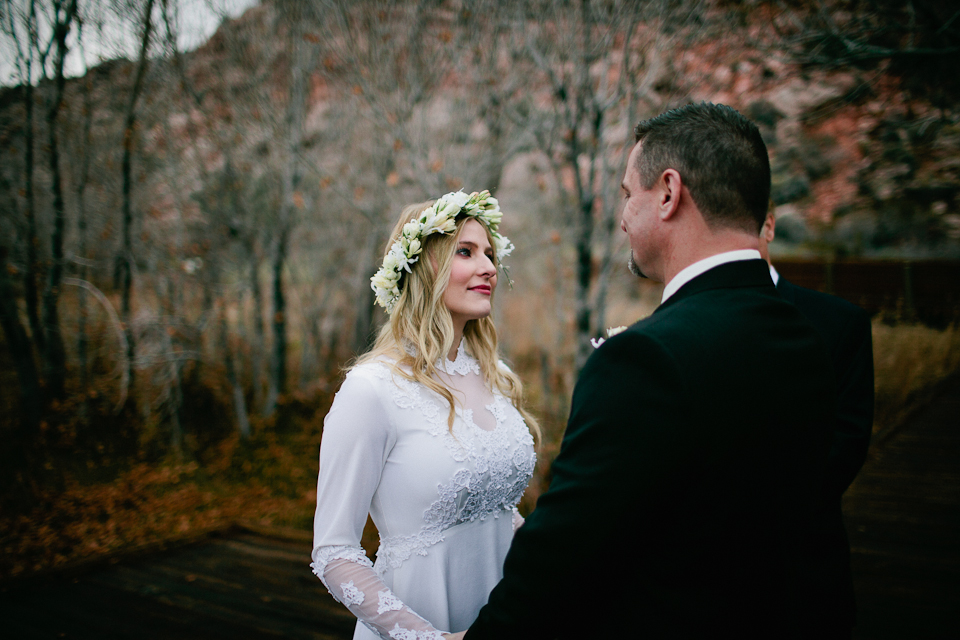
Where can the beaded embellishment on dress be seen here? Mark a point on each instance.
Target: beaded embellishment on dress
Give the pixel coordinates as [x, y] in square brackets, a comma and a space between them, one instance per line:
[502, 459]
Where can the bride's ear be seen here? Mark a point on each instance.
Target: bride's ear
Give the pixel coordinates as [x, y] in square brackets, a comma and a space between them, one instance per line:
[671, 188]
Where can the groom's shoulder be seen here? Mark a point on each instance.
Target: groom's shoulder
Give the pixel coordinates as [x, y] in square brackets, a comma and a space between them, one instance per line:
[647, 343]
[721, 318]
[825, 307]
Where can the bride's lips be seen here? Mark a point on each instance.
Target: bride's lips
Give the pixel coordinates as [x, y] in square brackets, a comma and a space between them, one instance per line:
[482, 288]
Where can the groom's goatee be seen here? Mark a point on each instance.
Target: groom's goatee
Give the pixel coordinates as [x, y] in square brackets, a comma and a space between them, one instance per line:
[634, 267]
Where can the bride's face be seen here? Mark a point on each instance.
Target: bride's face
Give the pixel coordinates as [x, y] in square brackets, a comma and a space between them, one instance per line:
[473, 276]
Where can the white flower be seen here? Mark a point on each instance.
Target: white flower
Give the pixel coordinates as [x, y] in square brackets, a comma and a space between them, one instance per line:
[448, 209]
[379, 281]
[492, 204]
[390, 261]
[458, 198]
[439, 218]
[449, 225]
[503, 246]
[612, 331]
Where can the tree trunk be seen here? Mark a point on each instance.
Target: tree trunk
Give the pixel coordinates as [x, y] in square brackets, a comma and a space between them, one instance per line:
[364, 308]
[82, 338]
[19, 345]
[364, 332]
[585, 227]
[278, 360]
[31, 275]
[584, 271]
[608, 223]
[292, 201]
[233, 377]
[308, 350]
[127, 206]
[174, 397]
[259, 331]
[54, 355]
[312, 353]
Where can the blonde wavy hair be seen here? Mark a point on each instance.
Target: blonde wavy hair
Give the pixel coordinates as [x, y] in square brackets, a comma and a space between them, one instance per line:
[422, 321]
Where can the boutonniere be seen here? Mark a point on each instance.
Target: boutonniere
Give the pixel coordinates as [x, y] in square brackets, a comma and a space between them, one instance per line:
[612, 331]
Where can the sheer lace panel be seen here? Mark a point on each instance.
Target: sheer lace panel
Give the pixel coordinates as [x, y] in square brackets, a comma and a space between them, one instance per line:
[358, 587]
[463, 378]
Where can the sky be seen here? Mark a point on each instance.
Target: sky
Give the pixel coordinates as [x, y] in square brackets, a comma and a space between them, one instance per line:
[113, 37]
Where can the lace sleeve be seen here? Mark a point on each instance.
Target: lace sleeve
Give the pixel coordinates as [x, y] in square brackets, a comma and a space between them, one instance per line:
[357, 438]
[350, 578]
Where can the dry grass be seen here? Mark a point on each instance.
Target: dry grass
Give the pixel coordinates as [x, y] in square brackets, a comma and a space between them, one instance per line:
[908, 362]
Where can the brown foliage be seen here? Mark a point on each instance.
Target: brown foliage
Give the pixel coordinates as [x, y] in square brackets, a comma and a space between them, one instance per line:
[146, 504]
[909, 362]
[269, 480]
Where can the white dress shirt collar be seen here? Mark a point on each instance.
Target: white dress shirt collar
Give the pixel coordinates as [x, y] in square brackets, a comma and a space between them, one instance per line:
[692, 271]
[774, 275]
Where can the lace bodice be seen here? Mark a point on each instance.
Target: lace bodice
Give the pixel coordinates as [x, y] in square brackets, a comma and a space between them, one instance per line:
[387, 450]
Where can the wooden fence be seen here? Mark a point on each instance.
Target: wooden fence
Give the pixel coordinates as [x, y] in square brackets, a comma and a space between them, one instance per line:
[927, 291]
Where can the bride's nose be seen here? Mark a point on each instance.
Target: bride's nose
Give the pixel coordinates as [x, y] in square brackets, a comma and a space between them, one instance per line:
[486, 267]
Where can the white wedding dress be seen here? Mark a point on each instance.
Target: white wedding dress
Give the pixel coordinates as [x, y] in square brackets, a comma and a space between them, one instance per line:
[444, 503]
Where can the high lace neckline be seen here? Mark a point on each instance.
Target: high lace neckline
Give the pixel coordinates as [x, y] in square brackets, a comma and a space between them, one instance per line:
[463, 364]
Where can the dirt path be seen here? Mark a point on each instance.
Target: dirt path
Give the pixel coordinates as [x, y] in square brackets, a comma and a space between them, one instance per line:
[903, 517]
[242, 584]
[903, 520]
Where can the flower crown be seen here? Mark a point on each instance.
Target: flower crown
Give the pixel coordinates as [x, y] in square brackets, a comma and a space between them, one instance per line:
[438, 218]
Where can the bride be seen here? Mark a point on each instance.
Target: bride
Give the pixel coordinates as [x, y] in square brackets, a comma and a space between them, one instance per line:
[427, 434]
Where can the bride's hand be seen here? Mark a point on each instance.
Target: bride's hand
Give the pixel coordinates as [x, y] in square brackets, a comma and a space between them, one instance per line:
[455, 636]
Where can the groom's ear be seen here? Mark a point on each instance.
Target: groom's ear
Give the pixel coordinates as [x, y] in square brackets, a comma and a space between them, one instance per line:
[671, 187]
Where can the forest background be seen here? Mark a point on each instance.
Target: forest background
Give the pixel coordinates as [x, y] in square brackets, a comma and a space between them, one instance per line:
[187, 236]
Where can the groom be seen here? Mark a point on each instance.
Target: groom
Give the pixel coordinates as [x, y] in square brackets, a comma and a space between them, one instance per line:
[681, 495]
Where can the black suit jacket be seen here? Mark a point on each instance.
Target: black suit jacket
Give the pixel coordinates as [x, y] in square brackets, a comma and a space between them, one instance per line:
[845, 327]
[682, 492]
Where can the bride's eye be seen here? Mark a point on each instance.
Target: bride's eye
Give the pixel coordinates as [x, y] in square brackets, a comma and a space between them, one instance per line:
[464, 251]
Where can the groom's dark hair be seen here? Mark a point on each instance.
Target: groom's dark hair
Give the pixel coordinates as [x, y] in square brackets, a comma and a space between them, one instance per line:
[720, 157]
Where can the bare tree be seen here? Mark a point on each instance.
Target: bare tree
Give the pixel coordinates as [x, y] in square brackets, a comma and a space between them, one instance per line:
[569, 47]
[222, 202]
[19, 345]
[82, 179]
[590, 66]
[292, 197]
[413, 118]
[20, 27]
[54, 355]
[126, 261]
[917, 40]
